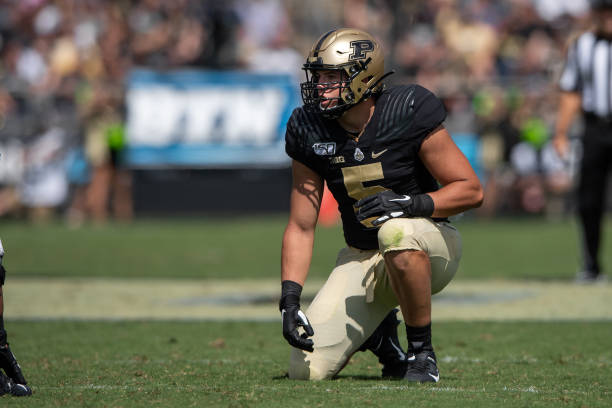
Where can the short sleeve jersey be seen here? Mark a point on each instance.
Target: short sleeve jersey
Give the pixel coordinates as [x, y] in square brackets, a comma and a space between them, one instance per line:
[587, 72]
[384, 158]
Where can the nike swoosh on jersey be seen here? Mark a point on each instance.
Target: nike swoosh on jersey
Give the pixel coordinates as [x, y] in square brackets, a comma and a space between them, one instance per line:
[375, 155]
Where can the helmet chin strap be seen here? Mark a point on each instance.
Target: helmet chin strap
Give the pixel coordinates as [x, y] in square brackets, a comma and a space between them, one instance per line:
[337, 111]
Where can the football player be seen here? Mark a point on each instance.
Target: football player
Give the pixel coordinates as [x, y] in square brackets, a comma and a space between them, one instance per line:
[13, 382]
[397, 176]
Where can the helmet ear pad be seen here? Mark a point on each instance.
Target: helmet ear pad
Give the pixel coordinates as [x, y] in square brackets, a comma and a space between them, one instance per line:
[363, 83]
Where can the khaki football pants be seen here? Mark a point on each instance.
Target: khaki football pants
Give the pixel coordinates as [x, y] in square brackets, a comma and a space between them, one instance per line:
[357, 295]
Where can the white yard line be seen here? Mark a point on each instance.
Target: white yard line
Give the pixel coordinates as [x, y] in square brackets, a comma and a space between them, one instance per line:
[118, 299]
[378, 387]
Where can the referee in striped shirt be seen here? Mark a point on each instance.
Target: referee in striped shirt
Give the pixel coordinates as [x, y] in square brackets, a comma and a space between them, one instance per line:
[586, 85]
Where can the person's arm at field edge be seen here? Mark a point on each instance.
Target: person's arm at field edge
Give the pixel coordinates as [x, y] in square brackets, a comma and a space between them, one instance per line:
[569, 106]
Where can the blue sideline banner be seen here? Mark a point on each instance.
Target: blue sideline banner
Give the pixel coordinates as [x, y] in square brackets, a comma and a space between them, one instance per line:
[207, 118]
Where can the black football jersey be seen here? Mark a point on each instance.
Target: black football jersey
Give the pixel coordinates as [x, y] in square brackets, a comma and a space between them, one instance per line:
[384, 158]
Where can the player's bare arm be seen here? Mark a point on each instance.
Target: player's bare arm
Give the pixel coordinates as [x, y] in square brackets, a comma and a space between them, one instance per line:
[296, 253]
[461, 189]
[298, 239]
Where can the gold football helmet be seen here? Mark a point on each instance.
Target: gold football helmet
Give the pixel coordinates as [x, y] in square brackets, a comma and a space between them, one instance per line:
[360, 60]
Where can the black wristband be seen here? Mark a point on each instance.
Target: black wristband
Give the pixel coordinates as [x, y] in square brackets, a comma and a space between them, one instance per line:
[290, 294]
[422, 205]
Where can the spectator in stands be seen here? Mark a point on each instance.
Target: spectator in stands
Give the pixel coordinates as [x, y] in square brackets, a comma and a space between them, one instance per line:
[50, 48]
[104, 133]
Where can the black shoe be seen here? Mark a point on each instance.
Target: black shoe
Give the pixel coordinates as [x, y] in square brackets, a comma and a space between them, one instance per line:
[422, 367]
[394, 370]
[8, 386]
[588, 277]
[385, 345]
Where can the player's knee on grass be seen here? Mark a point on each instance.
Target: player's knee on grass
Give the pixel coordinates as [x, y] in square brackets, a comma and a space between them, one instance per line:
[299, 369]
[332, 352]
[302, 368]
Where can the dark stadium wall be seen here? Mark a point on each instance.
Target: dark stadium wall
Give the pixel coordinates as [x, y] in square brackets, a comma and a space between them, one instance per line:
[211, 191]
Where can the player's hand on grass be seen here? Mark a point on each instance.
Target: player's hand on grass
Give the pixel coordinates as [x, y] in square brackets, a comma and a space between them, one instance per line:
[388, 204]
[293, 317]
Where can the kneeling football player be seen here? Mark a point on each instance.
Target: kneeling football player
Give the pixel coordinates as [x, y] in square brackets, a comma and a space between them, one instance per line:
[397, 176]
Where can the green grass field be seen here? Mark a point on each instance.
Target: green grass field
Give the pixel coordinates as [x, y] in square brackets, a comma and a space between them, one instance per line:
[250, 248]
[241, 363]
[237, 364]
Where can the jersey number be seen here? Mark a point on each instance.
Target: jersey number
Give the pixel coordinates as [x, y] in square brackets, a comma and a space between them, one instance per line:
[355, 176]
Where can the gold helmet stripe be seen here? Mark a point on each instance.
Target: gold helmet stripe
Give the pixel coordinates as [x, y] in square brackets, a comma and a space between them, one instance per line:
[318, 46]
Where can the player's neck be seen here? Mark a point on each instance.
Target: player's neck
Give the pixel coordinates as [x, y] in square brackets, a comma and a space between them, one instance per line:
[355, 119]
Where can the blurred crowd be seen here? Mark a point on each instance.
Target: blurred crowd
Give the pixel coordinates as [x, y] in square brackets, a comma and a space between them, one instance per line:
[63, 65]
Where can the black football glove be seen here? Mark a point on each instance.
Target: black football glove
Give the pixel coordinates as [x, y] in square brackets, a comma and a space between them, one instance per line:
[387, 204]
[8, 386]
[9, 364]
[14, 382]
[293, 317]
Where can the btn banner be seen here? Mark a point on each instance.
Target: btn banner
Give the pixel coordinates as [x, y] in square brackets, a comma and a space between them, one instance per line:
[207, 119]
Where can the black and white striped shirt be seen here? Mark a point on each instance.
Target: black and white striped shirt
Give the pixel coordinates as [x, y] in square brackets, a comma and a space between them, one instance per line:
[588, 70]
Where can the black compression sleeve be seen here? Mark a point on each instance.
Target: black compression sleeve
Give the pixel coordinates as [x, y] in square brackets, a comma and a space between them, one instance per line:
[423, 205]
[290, 293]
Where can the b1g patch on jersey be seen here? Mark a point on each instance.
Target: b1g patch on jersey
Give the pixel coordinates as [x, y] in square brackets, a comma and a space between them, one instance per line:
[337, 160]
[324, 149]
